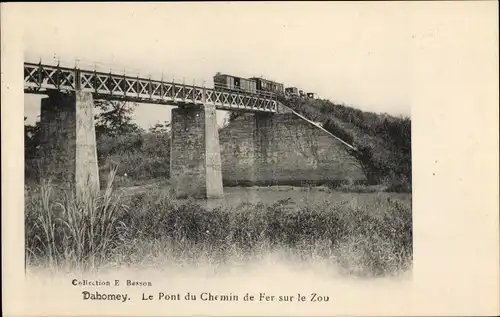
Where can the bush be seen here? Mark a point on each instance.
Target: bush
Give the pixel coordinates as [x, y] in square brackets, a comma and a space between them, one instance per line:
[367, 240]
[141, 156]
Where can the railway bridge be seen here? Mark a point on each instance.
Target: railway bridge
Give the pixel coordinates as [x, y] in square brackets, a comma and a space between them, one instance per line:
[273, 145]
[68, 134]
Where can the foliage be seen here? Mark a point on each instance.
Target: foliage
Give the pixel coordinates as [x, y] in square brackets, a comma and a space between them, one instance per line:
[363, 239]
[161, 128]
[31, 139]
[114, 118]
[141, 156]
[234, 114]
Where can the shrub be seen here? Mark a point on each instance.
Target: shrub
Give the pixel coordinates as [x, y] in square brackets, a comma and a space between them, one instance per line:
[141, 156]
[364, 239]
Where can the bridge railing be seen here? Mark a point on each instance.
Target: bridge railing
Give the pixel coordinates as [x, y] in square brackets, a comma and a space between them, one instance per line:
[38, 78]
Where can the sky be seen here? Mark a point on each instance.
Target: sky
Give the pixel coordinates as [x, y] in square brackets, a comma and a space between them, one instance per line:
[353, 53]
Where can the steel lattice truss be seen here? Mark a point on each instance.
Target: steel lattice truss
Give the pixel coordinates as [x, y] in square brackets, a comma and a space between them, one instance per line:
[39, 78]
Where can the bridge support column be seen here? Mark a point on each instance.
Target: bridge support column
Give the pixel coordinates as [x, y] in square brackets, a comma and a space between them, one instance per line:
[195, 161]
[68, 145]
[263, 148]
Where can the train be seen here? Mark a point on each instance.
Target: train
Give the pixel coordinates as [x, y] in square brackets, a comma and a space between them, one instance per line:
[229, 83]
[256, 86]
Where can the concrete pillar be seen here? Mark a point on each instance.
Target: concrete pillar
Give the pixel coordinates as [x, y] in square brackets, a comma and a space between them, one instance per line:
[212, 154]
[263, 149]
[195, 162]
[68, 145]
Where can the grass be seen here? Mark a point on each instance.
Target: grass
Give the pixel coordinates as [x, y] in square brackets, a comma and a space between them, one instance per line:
[153, 229]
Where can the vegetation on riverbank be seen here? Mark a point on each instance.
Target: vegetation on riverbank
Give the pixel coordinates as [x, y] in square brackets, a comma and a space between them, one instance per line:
[109, 229]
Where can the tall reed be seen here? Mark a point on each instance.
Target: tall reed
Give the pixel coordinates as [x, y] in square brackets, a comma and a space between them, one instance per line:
[66, 231]
[364, 238]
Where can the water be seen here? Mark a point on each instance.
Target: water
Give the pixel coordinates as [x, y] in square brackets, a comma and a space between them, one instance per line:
[296, 197]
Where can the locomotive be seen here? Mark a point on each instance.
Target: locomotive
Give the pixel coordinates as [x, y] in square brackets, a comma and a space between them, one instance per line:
[255, 85]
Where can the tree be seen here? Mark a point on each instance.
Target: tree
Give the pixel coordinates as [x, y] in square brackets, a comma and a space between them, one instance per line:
[160, 128]
[31, 139]
[230, 117]
[114, 118]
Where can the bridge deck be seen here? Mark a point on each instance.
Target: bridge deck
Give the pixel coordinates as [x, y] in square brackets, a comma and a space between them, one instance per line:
[40, 78]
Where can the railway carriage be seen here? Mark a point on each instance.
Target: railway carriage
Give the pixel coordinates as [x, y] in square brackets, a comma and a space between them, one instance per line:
[269, 86]
[254, 85]
[224, 82]
[292, 91]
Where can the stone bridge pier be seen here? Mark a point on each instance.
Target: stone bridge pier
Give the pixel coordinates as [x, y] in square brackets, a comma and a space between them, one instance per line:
[195, 159]
[68, 141]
